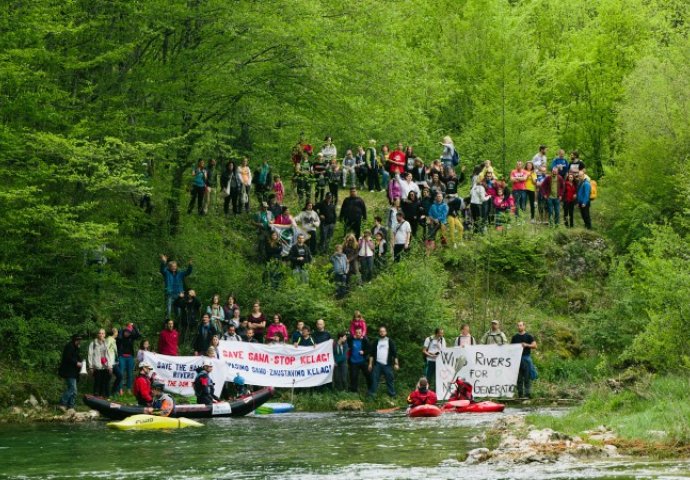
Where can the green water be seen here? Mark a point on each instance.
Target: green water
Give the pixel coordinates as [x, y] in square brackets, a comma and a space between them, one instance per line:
[292, 446]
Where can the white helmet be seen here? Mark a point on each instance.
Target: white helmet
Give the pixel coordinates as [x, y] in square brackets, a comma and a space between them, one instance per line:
[208, 363]
[145, 365]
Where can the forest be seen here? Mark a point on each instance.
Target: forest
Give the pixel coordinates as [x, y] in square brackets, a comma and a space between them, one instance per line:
[104, 102]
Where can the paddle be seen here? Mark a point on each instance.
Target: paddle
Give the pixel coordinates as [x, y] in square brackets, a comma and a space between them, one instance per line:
[458, 403]
[388, 410]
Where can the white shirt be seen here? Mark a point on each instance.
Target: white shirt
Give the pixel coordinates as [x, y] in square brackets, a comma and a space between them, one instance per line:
[434, 345]
[463, 340]
[539, 160]
[366, 250]
[478, 194]
[382, 351]
[406, 188]
[329, 152]
[401, 233]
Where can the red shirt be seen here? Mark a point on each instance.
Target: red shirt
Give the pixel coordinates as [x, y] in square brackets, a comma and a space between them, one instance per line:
[396, 161]
[167, 342]
[418, 398]
[142, 389]
[570, 192]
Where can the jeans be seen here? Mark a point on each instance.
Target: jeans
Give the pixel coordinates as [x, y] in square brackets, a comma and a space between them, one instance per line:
[430, 372]
[367, 266]
[340, 285]
[340, 376]
[520, 197]
[554, 207]
[117, 384]
[354, 370]
[349, 174]
[586, 218]
[127, 371]
[69, 397]
[327, 231]
[385, 178]
[524, 382]
[376, 372]
[169, 300]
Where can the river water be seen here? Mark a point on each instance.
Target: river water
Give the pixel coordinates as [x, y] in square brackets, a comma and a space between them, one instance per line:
[295, 446]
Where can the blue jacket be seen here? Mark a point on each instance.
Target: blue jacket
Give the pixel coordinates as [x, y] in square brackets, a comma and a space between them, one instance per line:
[174, 282]
[557, 162]
[583, 192]
[439, 211]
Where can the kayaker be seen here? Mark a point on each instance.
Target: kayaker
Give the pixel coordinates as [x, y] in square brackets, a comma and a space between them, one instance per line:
[422, 395]
[204, 388]
[142, 385]
[163, 404]
[463, 390]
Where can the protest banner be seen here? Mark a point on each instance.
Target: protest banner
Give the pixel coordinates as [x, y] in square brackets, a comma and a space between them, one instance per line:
[279, 365]
[492, 370]
[287, 236]
[178, 373]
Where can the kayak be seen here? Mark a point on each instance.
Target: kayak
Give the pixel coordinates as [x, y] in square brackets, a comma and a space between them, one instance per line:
[479, 407]
[274, 407]
[236, 408]
[424, 411]
[152, 422]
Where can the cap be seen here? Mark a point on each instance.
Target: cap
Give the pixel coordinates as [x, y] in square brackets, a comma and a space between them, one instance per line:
[207, 363]
[158, 385]
[145, 365]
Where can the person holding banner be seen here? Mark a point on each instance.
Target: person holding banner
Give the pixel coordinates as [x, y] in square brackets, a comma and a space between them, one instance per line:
[358, 347]
[204, 388]
[277, 327]
[494, 336]
[305, 340]
[383, 359]
[465, 338]
[524, 381]
[432, 348]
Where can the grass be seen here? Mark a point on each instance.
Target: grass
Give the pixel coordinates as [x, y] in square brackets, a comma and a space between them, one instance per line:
[653, 410]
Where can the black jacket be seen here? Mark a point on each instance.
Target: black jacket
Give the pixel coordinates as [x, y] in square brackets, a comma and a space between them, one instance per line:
[125, 345]
[203, 338]
[392, 351]
[299, 251]
[320, 337]
[68, 364]
[328, 212]
[353, 209]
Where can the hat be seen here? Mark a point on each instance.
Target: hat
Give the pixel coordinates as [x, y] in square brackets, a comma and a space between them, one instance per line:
[145, 365]
[158, 385]
[494, 321]
[207, 363]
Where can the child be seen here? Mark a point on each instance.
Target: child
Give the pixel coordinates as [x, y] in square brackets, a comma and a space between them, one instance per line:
[144, 346]
[380, 252]
[278, 190]
[340, 358]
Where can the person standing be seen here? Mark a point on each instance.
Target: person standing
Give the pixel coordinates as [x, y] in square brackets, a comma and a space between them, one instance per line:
[340, 360]
[524, 382]
[552, 189]
[341, 267]
[569, 200]
[204, 388]
[372, 166]
[231, 183]
[352, 212]
[70, 365]
[397, 161]
[125, 350]
[448, 152]
[540, 158]
[494, 336]
[366, 256]
[198, 188]
[561, 163]
[348, 171]
[168, 339]
[321, 335]
[401, 236]
[383, 359]
[277, 327]
[518, 177]
[357, 348]
[328, 218]
[263, 181]
[246, 179]
[299, 256]
[432, 348]
[309, 221]
[100, 364]
[231, 334]
[173, 279]
[209, 195]
[465, 338]
[204, 334]
[111, 341]
[584, 191]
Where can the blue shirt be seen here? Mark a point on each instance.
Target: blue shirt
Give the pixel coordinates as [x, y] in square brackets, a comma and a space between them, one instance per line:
[355, 357]
[557, 162]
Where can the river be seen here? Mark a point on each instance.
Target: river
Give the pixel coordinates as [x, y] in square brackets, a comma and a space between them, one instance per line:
[295, 446]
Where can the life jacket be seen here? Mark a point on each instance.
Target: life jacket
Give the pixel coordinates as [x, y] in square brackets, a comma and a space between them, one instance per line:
[203, 386]
[463, 390]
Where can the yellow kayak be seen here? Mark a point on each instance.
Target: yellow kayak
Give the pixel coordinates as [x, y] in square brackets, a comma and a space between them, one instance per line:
[152, 422]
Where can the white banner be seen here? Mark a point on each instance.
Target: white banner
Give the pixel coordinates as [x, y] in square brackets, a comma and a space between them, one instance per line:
[279, 365]
[178, 373]
[492, 370]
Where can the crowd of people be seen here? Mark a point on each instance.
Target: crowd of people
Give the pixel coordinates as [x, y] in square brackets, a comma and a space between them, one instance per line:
[113, 357]
[424, 202]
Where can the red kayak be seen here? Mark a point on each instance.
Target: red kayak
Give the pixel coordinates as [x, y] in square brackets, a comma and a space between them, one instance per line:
[479, 407]
[424, 411]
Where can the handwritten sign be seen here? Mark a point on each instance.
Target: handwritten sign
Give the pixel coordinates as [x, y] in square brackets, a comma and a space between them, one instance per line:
[281, 365]
[178, 373]
[492, 370]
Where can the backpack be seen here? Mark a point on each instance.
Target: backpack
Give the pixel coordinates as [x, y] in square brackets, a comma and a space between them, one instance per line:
[593, 193]
[456, 157]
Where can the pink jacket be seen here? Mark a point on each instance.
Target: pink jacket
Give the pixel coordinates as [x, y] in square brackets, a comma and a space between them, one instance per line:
[274, 328]
[394, 190]
[355, 324]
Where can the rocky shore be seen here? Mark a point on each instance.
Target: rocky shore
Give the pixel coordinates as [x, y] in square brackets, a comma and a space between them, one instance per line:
[519, 443]
[35, 410]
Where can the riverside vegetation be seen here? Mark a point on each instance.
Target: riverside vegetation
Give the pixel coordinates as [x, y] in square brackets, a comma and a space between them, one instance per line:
[105, 102]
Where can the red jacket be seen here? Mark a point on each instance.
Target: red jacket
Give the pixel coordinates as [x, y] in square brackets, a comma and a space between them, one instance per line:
[463, 391]
[545, 188]
[570, 194]
[418, 398]
[167, 342]
[142, 390]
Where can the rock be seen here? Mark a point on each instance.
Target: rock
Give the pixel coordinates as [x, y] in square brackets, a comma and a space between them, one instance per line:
[540, 437]
[32, 401]
[16, 411]
[611, 451]
[478, 455]
[657, 433]
[350, 405]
